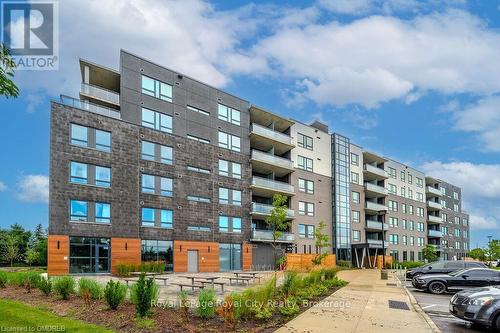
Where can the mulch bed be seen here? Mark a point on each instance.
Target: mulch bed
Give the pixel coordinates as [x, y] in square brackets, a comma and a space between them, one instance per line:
[123, 319]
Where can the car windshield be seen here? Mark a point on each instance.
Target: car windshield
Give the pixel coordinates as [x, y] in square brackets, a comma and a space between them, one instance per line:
[455, 273]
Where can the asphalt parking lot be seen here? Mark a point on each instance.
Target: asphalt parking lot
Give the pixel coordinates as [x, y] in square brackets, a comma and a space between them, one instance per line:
[437, 307]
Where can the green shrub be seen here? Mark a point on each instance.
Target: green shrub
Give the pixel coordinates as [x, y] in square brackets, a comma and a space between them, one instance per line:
[242, 304]
[124, 270]
[152, 267]
[329, 273]
[289, 283]
[3, 279]
[290, 308]
[183, 303]
[64, 286]
[334, 283]
[206, 303]
[45, 285]
[143, 293]
[114, 293]
[92, 287]
[344, 263]
[264, 312]
[409, 264]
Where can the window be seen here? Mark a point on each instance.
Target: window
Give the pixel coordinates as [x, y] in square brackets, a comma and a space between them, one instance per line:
[228, 196]
[198, 228]
[410, 194]
[393, 206]
[229, 256]
[166, 218]
[411, 209]
[392, 188]
[356, 235]
[152, 217]
[410, 179]
[403, 208]
[443, 203]
[90, 138]
[420, 182]
[166, 186]
[78, 210]
[157, 185]
[465, 222]
[402, 175]
[304, 141]
[306, 208]
[195, 138]
[420, 197]
[403, 191]
[102, 212]
[404, 224]
[224, 168]
[394, 239]
[444, 216]
[421, 241]
[457, 233]
[229, 224]
[156, 88]
[156, 120]
[420, 226]
[78, 173]
[443, 191]
[155, 152]
[304, 163]
[229, 114]
[203, 112]
[198, 198]
[355, 216]
[354, 159]
[404, 239]
[229, 141]
[420, 212]
[102, 176]
[412, 225]
[455, 195]
[306, 186]
[412, 241]
[393, 222]
[455, 207]
[392, 173]
[306, 231]
[158, 250]
[355, 197]
[197, 169]
[148, 217]
[229, 169]
[354, 178]
[456, 219]
[148, 183]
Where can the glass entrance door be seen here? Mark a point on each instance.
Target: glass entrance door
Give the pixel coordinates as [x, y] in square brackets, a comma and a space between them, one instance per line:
[89, 255]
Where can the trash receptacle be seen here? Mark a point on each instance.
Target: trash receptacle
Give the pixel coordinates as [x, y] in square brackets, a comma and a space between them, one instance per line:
[383, 274]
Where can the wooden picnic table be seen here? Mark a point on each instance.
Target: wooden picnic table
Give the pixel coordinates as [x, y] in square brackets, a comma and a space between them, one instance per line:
[155, 276]
[239, 279]
[244, 274]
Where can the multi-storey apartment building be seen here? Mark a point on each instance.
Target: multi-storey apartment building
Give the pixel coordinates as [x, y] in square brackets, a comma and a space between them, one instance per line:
[150, 164]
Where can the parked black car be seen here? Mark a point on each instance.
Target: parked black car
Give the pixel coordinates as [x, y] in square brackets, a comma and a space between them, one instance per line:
[462, 279]
[445, 266]
[478, 305]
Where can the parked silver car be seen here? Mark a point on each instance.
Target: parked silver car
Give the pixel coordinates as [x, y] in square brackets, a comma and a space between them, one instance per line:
[478, 305]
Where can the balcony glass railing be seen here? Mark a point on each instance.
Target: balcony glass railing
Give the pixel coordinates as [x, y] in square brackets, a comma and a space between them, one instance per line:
[91, 107]
[434, 219]
[434, 205]
[272, 185]
[433, 190]
[259, 208]
[267, 235]
[271, 159]
[375, 188]
[101, 93]
[375, 170]
[272, 134]
[435, 233]
[375, 206]
[376, 225]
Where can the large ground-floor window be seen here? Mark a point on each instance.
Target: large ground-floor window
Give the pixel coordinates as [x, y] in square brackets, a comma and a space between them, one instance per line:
[89, 255]
[158, 250]
[229, 257]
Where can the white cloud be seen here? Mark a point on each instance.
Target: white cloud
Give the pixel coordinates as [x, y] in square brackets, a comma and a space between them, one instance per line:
[347, 6]
[3, 187]
[34, 188]
[480, 222]
[482, 118]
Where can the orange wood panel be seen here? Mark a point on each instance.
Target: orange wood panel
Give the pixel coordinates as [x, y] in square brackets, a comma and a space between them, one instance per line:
[208, 255]
[58, 255]
[247, 257]
[125, 251]
[304, 262]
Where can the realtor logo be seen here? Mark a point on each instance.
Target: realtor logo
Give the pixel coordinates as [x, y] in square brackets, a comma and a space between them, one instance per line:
[30, 33]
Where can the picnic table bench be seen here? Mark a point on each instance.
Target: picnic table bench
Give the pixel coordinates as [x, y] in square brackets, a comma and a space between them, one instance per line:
[212, 283]
[239, 279]
[252, 275]
[154, 277]
[192, 286]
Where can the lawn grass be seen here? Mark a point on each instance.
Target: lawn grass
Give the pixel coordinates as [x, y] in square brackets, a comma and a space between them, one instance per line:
[15, 314]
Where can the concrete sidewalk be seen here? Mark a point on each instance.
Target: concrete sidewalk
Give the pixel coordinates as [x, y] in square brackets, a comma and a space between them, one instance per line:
[361, 306]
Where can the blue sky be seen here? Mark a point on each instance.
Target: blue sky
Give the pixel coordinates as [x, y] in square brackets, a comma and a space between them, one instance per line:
[415, 81]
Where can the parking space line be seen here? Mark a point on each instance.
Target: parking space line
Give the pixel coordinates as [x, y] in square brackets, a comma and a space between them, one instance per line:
[428, 306]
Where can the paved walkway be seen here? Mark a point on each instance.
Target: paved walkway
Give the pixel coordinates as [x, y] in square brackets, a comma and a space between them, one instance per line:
[361, 306]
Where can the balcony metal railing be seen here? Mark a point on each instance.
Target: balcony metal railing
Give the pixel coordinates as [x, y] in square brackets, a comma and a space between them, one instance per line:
[272, 134]
[260, 156]
[375, 206]
[435, 233]
[376, 225]
[434, 219]
[374, 241]
[91, 107]
[263, 209]
[433, 190]
[101, 93]
[267, 235]
[375, 188]
[437, 247]
[272, 185]
[434, 205]
[375, 170]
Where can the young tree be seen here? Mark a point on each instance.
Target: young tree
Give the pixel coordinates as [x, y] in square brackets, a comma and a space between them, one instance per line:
[277, 222]
[492, 251]
[10, 249]
[322, 241]
[32, 257]
[478, 254]
[429, 253]
[7, 66]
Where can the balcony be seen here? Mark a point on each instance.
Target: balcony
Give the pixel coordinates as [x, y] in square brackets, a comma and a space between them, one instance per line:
[372, 207]
[434, 219]
[437, 247]
[263, 210]
[431, 205]
[371, 172]
[267, 236]
[376, 225]
[266, 138]
[267, 163]
[374, 191]
[267, 187]
[376, 242]
[100, 94]
[91, 107]
[435, 233]
[432, 191]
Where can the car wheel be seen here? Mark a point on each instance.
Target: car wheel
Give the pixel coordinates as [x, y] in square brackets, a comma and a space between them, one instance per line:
[496, 323]
[437, 287]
